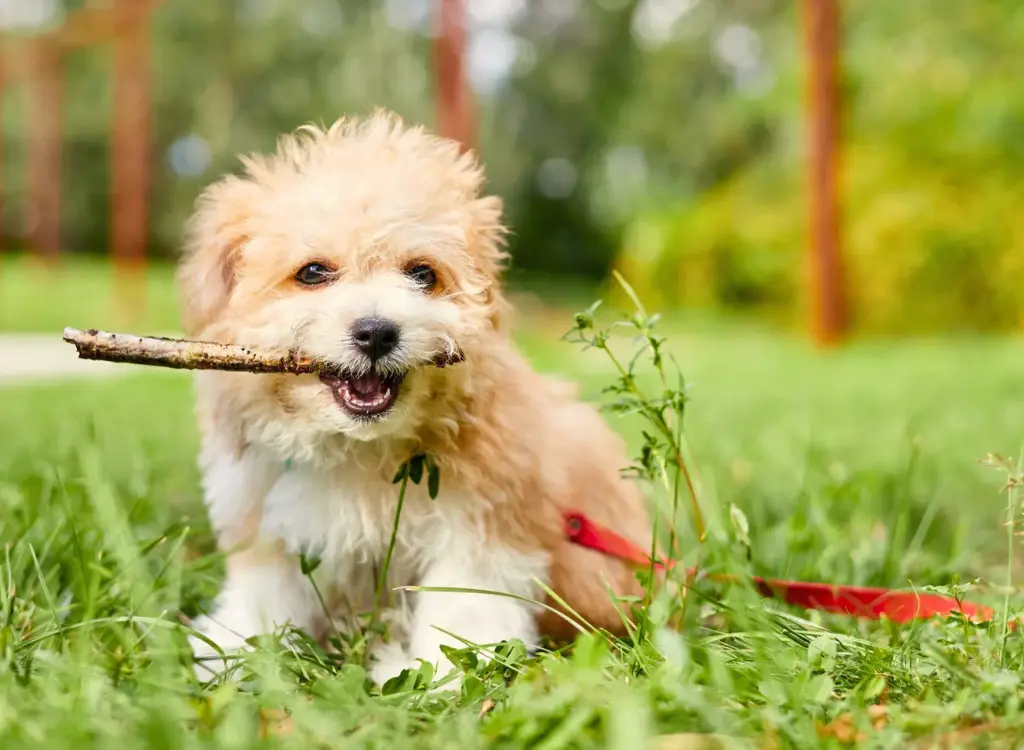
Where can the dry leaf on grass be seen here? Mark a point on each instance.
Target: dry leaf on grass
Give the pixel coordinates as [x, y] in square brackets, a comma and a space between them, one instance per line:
[485, 708]
[845, 730]
[275, 722]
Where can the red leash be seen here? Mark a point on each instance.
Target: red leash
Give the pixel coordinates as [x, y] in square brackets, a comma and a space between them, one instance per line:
[859, 601]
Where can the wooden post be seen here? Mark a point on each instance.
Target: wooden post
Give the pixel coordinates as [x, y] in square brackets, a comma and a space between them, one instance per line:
[3, 142]
[130, 151]
[826, 284]
[44, 149]
[455, 116]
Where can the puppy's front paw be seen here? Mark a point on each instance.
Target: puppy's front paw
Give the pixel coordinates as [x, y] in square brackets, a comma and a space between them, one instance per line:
[391, 659]
[388, 661]
[209, 662]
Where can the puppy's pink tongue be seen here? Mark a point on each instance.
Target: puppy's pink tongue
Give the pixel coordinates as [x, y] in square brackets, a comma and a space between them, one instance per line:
[368, 385]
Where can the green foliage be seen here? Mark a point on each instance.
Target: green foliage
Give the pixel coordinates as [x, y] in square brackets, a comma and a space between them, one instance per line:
[662, 457]
[925, 252]
[932, 234]
[412, 470]
[676, 165]
[583, 93]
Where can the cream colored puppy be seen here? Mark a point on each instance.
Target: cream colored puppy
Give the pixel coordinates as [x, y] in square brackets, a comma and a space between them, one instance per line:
[370, 247]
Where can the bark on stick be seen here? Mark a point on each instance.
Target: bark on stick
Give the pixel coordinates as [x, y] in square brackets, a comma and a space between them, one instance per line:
[181, 354]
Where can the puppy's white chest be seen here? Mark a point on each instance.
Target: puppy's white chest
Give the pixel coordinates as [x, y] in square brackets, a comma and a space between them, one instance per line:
[345, 517]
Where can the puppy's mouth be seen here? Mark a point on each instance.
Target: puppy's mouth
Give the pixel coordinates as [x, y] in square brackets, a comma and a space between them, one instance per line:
[364, 396]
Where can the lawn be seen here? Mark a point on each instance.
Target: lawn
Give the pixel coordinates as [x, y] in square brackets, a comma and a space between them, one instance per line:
[859, 466]
[38, 298]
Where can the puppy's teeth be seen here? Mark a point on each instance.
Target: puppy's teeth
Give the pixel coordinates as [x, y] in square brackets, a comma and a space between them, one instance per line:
[387, 395]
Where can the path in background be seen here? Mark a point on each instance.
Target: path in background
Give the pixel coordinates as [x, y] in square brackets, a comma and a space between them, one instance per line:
[28, 358]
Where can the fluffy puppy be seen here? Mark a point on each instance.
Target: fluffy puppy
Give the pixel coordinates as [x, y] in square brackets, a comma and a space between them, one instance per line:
[370, 246]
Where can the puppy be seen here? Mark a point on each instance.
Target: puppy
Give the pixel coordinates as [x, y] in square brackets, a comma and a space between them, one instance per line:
[370, 246]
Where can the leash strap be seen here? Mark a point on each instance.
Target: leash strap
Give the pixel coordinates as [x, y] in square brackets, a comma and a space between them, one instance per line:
[858, 601]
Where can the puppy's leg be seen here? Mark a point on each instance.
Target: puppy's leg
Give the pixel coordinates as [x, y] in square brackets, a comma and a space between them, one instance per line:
[264, 590]
[265, 587]
[480, 619]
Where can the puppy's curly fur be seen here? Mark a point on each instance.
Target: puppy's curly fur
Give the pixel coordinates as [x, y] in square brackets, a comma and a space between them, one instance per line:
[372, 220]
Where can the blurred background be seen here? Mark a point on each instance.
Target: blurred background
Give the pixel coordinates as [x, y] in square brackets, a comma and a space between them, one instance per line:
[770, 175]
[668, 139]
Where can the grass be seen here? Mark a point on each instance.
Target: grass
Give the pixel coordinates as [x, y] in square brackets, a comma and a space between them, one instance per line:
[35, 298]
[859, 466]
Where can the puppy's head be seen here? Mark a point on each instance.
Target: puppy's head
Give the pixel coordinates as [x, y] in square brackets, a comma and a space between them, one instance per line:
[367, 246]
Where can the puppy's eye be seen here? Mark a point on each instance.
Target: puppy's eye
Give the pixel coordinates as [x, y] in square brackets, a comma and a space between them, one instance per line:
[312, 274]
[423, 275]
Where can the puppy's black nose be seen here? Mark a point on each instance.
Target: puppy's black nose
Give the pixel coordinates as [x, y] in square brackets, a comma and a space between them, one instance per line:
[375, 337]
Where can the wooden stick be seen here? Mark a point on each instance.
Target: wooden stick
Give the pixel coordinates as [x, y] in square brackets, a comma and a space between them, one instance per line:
[181, 354]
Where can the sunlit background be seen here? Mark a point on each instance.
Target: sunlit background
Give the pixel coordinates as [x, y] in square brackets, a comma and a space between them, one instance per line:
[665, 138]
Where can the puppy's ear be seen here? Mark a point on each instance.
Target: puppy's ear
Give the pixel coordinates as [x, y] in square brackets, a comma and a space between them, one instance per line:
[216, 234]
[486, 239]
